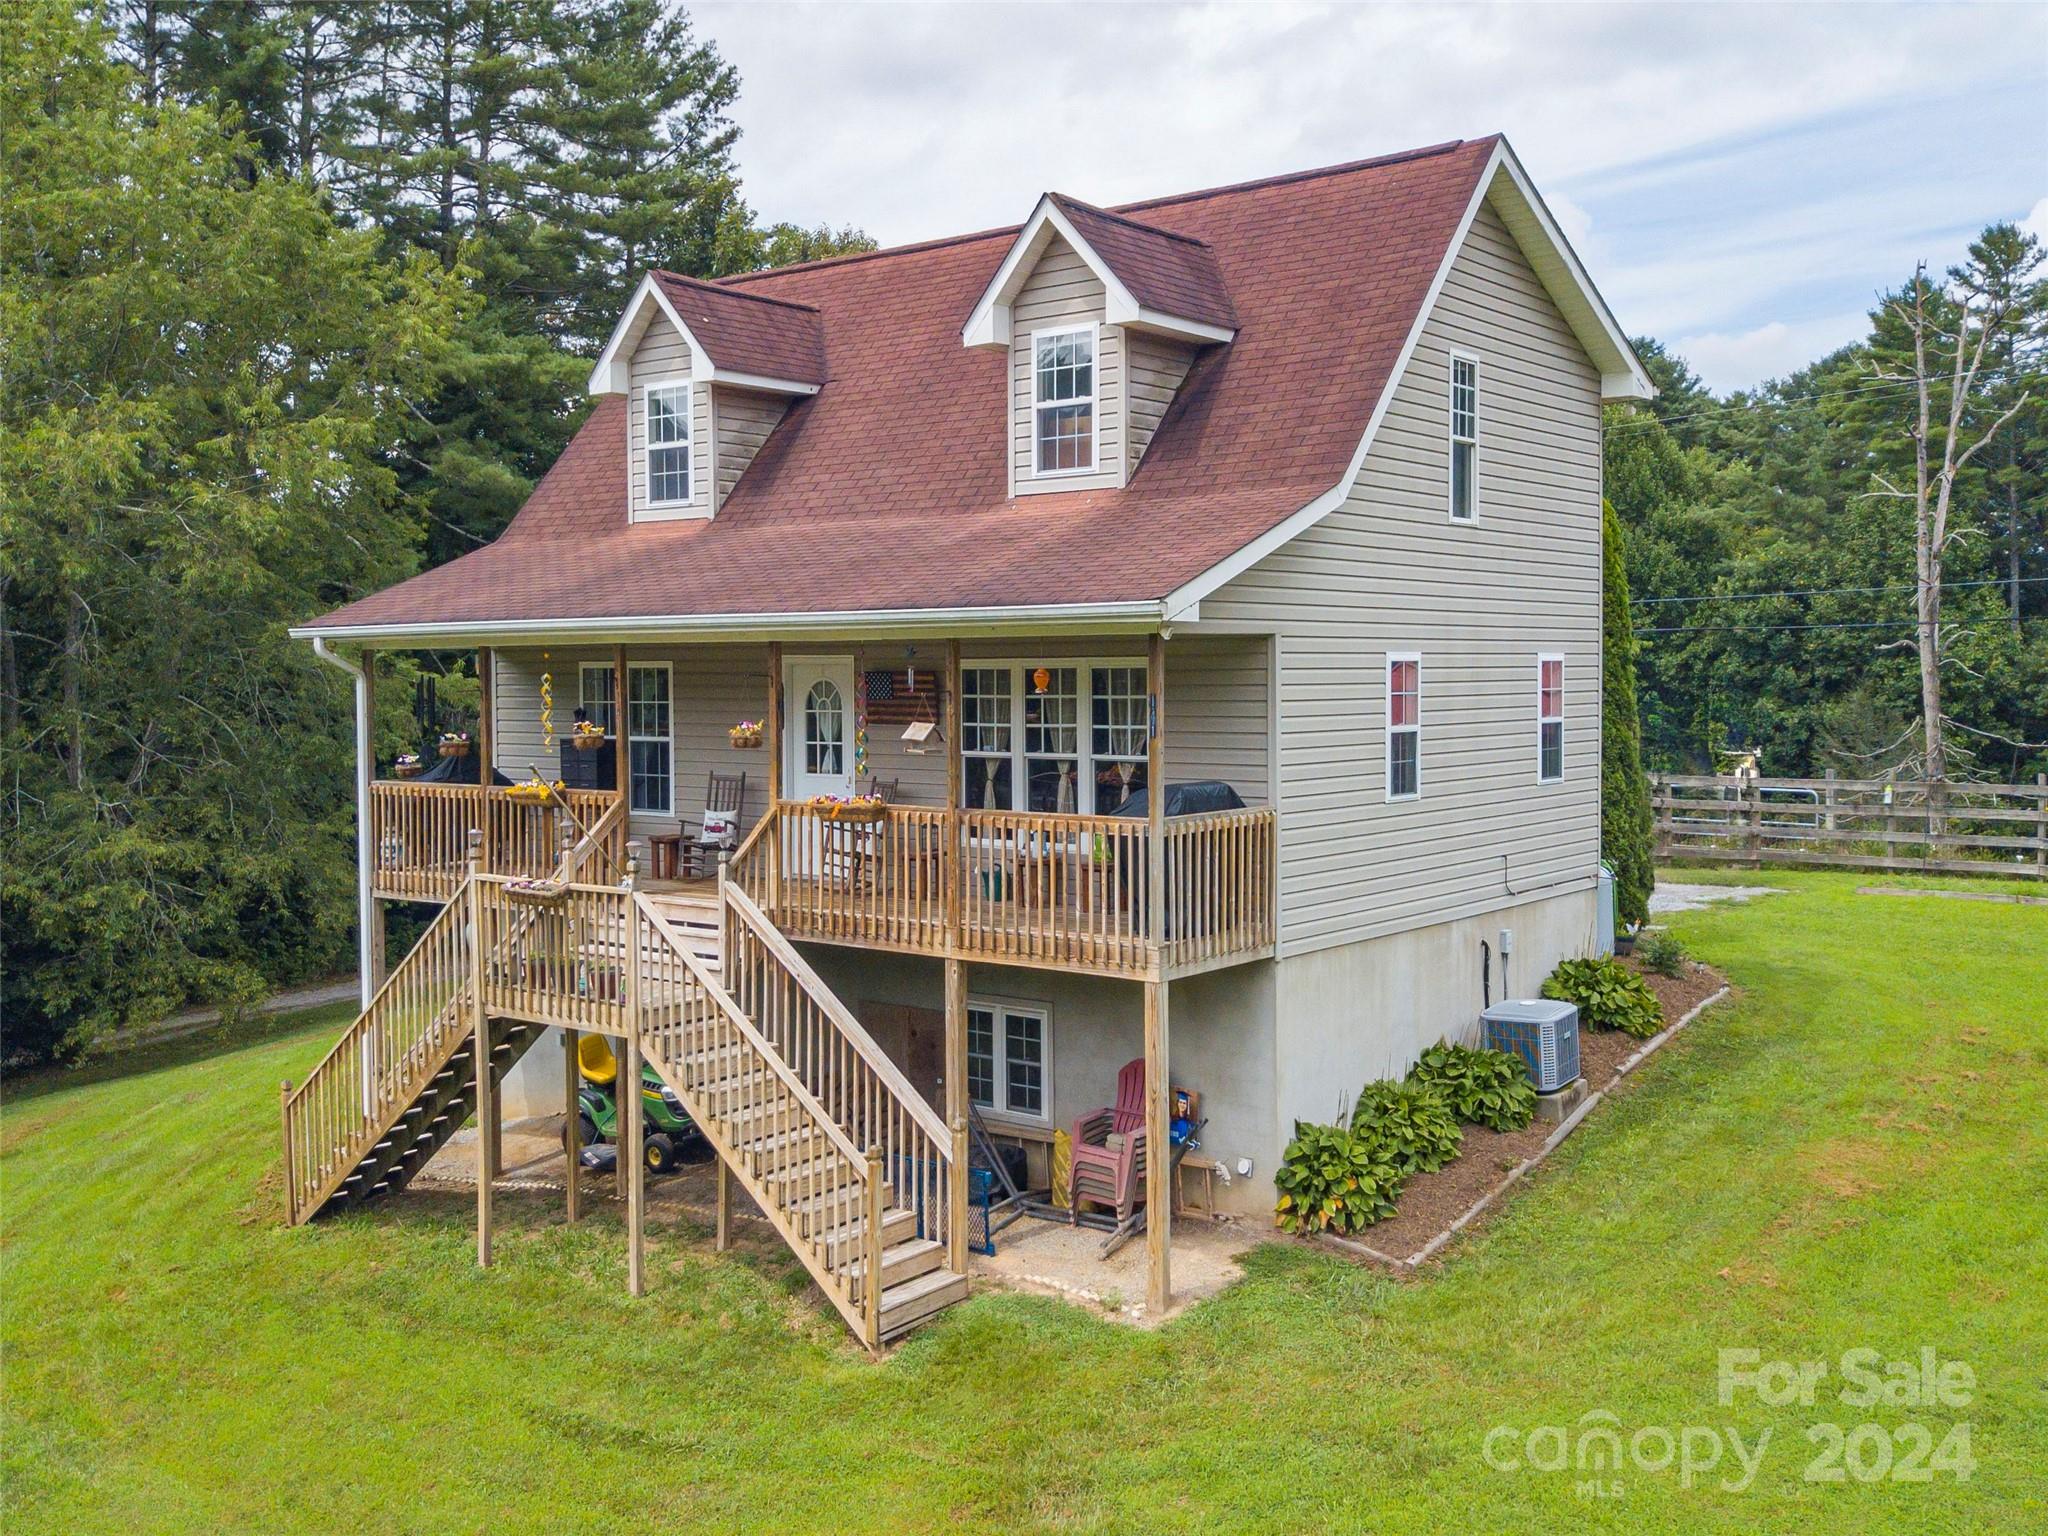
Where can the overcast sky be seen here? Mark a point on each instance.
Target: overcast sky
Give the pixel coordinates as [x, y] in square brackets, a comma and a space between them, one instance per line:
[1739, 179]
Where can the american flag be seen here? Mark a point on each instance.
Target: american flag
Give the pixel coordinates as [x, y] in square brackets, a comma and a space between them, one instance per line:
[890, 699]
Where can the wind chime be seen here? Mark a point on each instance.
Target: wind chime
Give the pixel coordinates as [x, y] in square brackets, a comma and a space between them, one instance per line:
[547, 704]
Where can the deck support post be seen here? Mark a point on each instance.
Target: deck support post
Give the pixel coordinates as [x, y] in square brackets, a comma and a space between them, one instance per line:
[723, 1239]
[956, 1112]
[772, 730]
[480, 1056]
[572, 1124]
[950, 866]
[1158, 1091]
[1158, 1155]
[632, 1103]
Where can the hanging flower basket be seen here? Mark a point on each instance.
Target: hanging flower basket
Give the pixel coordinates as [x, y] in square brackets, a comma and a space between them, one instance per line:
[455, 744]
[406, 765]
[587, 737]
[859, 808]
[535, 790]
[746, 735]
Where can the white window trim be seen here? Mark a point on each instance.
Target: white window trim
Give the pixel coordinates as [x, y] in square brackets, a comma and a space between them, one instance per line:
[1543, 719]
[688, 386]
[1387, 701]
[1084, 686]
[997, 1114]
[1451, 438]
[1093, 398]
[627, 738]
[583, 671]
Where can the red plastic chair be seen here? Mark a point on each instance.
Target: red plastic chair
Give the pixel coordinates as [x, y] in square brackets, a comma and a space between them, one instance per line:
[1107, 1173]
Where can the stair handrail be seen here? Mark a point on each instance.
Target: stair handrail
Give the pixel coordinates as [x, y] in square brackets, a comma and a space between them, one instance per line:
[736, 862]
[770, 1057]
[589, 846]
[828, 1003]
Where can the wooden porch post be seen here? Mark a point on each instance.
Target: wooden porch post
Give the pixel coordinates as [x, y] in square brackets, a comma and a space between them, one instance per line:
[572, 1125]
[956, 1111]
[369, 916]
[723, 1239]
[949, 855]
[486, 713]
[772, 730]
[1158, 1127]
[480, 1053]
[622, 765]
[632, 1154]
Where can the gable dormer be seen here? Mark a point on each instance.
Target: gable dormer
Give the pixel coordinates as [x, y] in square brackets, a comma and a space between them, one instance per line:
[708, 373]
[1101, 317]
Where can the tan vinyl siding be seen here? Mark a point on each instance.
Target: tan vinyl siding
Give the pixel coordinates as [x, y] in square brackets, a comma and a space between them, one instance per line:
[1062, 292]
[743, 419]
[1218, 714]
[1156, 370]
[663, 355]
[1387, 572]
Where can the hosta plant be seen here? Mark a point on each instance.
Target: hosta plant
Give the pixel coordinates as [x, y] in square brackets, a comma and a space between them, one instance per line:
[1489, 1088]
[1333, 1181]
[1609, 996]
[1410, 1122]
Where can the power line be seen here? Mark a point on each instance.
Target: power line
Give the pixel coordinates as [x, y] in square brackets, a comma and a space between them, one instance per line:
[1760, 402]
[1744, 597]
[1765, 629]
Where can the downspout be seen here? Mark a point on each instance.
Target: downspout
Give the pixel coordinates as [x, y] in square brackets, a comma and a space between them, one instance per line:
[366, 904]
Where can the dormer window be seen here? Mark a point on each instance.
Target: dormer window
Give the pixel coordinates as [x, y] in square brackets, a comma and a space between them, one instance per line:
[668, 444]
[1064, 400]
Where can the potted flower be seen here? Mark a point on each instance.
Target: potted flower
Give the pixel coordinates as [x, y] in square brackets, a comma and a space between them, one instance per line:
[746, 735]
[587, 737]
[406, 765]
[455, 743]
[538, 790]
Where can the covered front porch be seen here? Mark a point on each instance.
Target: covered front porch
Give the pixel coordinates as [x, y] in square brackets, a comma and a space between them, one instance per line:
[980, 802]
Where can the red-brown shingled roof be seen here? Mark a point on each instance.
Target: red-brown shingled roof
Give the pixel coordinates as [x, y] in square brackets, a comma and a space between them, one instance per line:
[749, 332]
[888, 489]
[1173, 273]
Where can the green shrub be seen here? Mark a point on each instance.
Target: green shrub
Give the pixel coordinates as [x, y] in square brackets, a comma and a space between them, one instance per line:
[1331, 1180]
[1609, 996]
[1411, 1122]
[1489, 1088]
[1661, 952]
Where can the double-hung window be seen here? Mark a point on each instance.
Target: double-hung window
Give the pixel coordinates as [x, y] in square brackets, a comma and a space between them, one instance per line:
[1549, 718]
[648, 739]
[1063, 401]
[1121, 706]
[985, 738]
[596, 680]
[1006, 1058]
[1464, 438]
[668, 444]
[1404, 726]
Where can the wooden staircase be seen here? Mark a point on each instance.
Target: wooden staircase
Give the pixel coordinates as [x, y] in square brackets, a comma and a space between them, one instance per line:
[845, 1159]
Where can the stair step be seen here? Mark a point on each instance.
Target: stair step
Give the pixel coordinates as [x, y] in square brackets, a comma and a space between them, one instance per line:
[905, 1261]
[914, 1301]
[898, 1226]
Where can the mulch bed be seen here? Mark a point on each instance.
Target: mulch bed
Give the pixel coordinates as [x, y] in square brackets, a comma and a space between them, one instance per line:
[1430, 1202]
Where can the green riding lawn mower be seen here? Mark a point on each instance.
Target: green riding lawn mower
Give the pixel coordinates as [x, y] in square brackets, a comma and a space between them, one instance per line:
[666, 1130]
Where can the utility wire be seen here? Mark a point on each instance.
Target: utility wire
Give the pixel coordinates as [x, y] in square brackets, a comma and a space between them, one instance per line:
[1744, 597]
[1757, 402]
[1764, 629]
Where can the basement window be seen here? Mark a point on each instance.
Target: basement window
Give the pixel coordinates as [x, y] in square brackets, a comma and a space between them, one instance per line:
[1006, 1058]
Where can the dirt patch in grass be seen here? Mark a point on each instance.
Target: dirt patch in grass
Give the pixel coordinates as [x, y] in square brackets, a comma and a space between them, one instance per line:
[1430, 1202]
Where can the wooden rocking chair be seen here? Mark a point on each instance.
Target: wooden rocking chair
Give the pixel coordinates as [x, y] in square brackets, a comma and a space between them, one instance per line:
[1109, 1148]
[725, 794]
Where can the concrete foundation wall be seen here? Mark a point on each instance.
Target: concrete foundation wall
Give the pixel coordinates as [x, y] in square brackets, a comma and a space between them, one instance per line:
[1358, 1012]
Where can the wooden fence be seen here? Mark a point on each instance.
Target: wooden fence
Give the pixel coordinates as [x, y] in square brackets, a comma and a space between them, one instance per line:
[1953, 828]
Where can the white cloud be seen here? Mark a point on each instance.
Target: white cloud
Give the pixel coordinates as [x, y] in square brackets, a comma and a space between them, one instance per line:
[2036, 222]
[1682, 147]
[1768, 351]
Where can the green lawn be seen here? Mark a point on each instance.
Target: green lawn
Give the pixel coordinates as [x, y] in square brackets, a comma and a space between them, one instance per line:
[1852, 1155]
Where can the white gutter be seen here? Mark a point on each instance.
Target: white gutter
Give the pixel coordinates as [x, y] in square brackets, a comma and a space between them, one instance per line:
[366, 904]
[1145, 614]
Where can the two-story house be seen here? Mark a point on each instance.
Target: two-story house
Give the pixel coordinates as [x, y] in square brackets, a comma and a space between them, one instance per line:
[1288, 491]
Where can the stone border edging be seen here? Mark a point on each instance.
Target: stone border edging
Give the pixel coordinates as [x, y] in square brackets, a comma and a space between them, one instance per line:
[1550, 1144]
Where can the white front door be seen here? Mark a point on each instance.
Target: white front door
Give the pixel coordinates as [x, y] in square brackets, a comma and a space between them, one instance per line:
[818, 739]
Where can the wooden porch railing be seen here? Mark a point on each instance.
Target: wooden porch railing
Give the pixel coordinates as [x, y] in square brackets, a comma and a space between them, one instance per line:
[1017, 887]
[420, 834]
